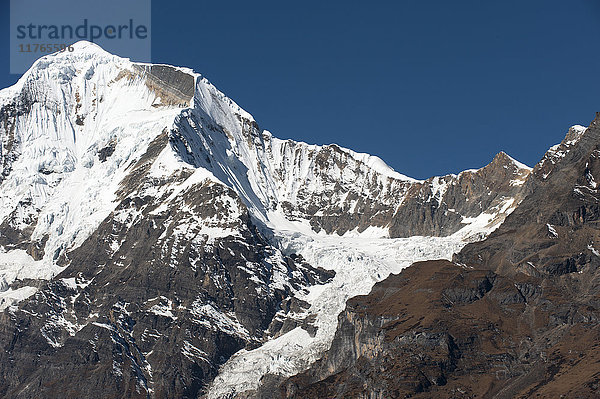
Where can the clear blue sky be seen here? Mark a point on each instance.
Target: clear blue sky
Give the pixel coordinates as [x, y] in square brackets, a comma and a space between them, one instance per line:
[432, 87]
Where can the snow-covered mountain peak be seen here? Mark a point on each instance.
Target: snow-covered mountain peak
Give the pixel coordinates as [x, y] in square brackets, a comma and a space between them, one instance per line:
[63, 65]
[505, 159]
[79, 52]
[69, 130]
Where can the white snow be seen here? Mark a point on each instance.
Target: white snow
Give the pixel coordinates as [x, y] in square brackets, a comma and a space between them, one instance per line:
[378, 165]
[163, 308]
[11, 297]
[551, 231]
[438, 188]
[17, 265]
[207, 315]
[518, 164]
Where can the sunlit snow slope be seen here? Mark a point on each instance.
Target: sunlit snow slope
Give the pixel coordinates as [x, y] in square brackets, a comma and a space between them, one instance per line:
[59, 122]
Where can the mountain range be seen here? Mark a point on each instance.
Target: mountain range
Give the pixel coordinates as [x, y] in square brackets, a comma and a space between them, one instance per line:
[156, 242]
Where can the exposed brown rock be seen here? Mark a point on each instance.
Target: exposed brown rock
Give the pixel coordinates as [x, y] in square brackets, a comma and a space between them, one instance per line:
[171, 85]
[438, 330]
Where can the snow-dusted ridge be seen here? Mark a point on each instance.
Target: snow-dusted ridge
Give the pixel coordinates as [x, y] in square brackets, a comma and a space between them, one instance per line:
[557, 152]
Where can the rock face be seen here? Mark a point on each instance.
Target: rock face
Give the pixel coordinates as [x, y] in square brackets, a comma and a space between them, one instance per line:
[553, 232]
[440, 205]
[338, 196]
[514, 315]
[172, 86]
[438, 330]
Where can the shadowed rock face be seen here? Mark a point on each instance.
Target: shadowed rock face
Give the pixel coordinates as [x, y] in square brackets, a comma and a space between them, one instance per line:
[8, 115]
[515, 316]
[173, 86]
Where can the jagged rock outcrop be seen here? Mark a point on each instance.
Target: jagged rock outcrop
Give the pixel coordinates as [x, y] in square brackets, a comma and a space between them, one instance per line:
[441, 205]
[552, 232]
